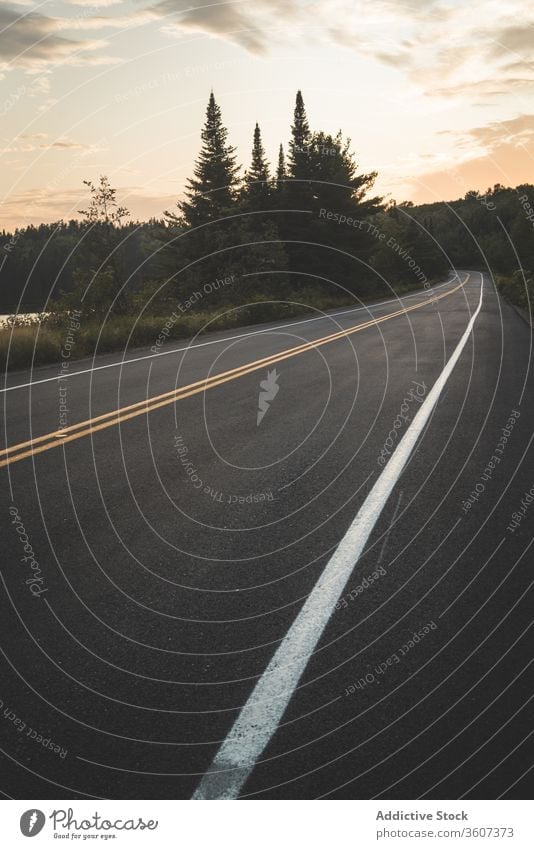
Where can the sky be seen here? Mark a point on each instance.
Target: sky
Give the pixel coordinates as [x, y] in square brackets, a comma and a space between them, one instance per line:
[437, 97]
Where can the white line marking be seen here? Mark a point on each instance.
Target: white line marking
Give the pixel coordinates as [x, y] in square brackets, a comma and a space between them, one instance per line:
[221, 341]
[261, 714]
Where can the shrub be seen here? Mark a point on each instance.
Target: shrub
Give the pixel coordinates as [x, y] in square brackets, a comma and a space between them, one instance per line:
[518, 288]
[39, 339]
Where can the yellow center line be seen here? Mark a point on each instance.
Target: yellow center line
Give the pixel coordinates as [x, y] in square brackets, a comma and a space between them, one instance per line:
[114, 417]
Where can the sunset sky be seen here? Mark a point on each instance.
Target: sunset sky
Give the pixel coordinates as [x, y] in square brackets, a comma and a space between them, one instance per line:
[436, 96]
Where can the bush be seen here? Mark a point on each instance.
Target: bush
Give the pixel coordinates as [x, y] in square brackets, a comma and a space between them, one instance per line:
[518, 288]
[39, 340]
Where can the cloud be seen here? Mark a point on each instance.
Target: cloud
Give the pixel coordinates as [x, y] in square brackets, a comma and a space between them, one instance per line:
[65, 144]
[101, 22]
[29, 142]
[95, 4]
[517, 132]
[443, 49]
[479, 173]
[30, 41]
[485, 88]
[41, 205]
[248, 23]
[222, 19]
[513, 39]
[47, 204]
[496, 152]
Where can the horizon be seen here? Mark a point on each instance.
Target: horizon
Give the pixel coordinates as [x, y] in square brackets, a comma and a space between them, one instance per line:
[434, 103]
[161, 218]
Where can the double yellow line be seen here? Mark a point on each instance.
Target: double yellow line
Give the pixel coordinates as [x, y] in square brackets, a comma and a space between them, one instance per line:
[60, 437]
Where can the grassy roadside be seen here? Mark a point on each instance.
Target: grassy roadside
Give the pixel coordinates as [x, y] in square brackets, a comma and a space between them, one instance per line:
[41, 343]
[518, 289]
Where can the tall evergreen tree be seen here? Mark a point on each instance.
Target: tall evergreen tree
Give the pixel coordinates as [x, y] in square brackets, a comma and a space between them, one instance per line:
[257, 185]
[281, 173]
[298, 192]
[211, 198]
[212, 190]
[300, 141]
[262, 257]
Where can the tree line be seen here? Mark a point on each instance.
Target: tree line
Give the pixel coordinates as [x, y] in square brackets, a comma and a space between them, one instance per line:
[310, 225]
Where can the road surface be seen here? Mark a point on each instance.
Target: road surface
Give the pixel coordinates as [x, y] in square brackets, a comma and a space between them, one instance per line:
[289, 561]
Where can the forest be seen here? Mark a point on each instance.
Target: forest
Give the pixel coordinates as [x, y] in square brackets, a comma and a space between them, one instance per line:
[308, 233]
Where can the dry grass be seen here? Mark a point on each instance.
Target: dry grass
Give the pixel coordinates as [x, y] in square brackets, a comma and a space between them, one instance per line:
[26, 346]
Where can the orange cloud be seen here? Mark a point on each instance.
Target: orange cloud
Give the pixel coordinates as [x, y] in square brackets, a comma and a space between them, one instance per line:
[508, 160]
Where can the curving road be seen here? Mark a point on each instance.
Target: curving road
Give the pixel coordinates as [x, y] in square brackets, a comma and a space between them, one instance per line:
[291, 561]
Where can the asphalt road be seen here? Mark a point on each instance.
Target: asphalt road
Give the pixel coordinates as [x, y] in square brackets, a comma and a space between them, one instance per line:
[193, 578]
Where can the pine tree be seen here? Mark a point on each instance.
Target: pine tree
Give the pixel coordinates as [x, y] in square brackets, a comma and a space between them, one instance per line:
[298, 191]
[294, 189]
[300, 141]
[262, 257]
[281, 176]
[281, 173]
[257, 188]
[213, 189]
[211, 198]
